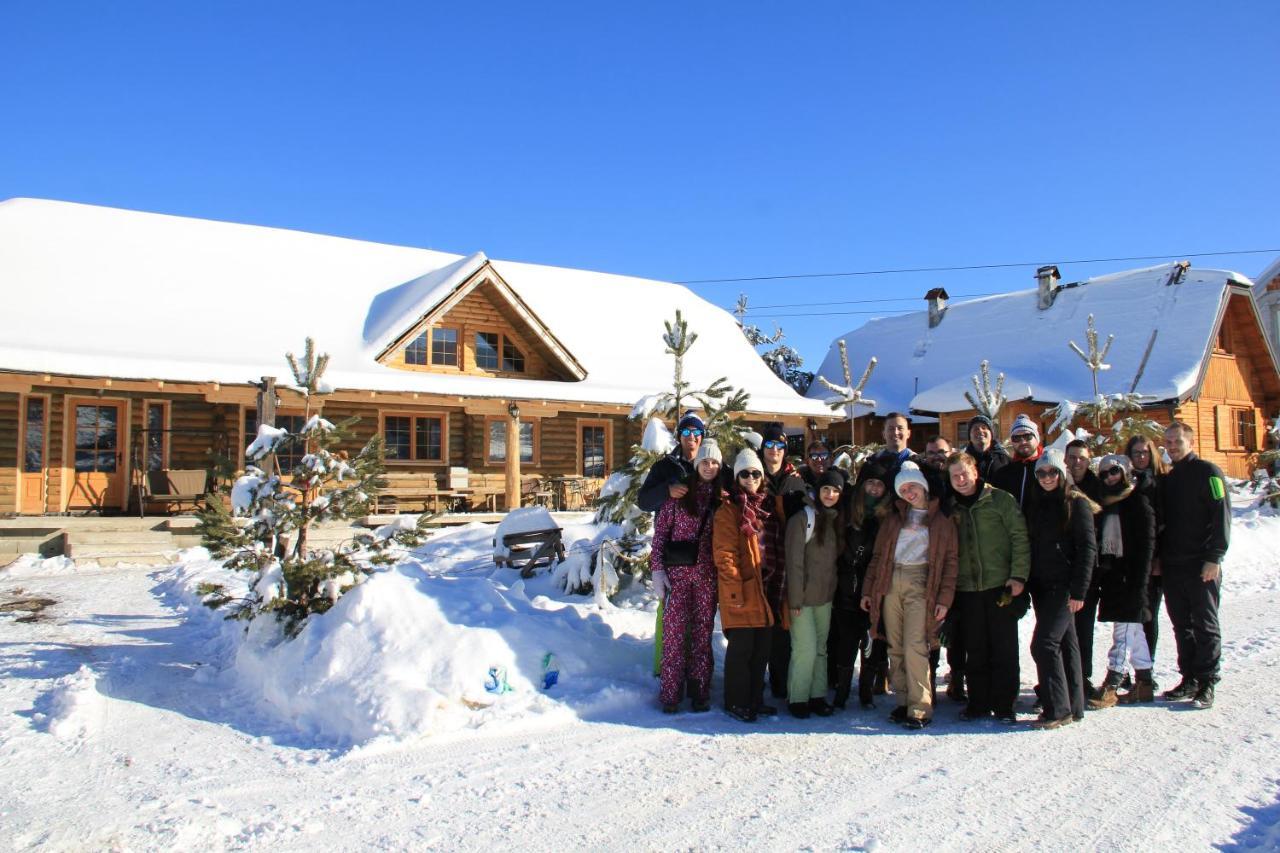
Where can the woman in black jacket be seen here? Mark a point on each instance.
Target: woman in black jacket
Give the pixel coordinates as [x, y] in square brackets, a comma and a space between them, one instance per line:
[1060, 527]
[1148, 468]
[863, 507]
[1126, 540]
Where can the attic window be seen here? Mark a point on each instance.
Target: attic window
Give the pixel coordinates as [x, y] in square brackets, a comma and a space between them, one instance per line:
[487, 344]
[444, 347]
[512, 358]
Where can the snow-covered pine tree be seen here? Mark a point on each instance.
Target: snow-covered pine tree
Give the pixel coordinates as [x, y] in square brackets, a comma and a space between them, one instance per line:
[782, 358]
[986, 399]
[847, 398]
[1106, 413]
[723, 407]
[265, 529]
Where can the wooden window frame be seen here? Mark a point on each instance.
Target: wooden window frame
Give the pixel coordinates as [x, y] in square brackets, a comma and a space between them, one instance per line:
[22, 433]
[473, 332]
[282, 411]
[423, 335]
[165, 433]
[67, 463]
[431, 350]
[534, 424]
[608, 443]
[413, 416]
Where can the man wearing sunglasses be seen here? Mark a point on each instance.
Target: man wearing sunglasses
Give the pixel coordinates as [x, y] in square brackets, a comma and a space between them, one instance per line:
[817, 461]
[1018, 478]
[787, 491]
[670, 474]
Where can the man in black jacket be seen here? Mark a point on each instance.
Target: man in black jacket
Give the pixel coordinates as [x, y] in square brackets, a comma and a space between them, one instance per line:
[984, 446]
[1018, 478]
[667, 478]
[1196, 533]
[1078, 461]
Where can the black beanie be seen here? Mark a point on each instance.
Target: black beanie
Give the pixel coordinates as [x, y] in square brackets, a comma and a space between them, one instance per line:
[774, 432]
[831, 477]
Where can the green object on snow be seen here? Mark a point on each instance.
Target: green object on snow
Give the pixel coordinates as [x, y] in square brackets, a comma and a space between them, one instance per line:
[657, 641]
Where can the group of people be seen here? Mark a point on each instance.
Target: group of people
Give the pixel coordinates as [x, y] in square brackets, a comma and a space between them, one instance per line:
[817, 573]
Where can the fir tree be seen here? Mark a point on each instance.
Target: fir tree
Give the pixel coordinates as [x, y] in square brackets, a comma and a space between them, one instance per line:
[1106, 413]
[723, 407]
[781, 358]
[986, 399]
[265, 529]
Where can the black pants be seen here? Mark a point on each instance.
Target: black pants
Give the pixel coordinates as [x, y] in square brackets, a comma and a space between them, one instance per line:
[744, 662]
[1086, 619]
[1193, 610]
[991, 642]
[956, 656]
[848, 630]
[779, 659]
[1155, 594]
[1057, 654]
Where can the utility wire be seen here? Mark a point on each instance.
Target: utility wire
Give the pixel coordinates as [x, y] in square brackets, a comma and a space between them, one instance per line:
[905, 270]
[751, 308]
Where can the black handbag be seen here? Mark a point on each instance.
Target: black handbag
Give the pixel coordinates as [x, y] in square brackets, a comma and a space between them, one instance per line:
[684, 552]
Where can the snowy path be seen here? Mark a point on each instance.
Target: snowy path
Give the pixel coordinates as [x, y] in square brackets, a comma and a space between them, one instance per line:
[155, 756]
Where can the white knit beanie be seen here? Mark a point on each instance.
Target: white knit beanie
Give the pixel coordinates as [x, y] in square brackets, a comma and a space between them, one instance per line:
[708, 450]
[1053, 458]
[747, 461]
[910, 473]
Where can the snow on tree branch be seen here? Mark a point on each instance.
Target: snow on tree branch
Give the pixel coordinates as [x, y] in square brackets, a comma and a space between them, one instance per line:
[986, 400]
[848, 395]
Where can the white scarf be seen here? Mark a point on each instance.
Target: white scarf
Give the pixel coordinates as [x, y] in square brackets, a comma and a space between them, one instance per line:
[1112, 541]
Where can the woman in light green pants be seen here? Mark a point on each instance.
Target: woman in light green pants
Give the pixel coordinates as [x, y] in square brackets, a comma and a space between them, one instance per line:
[813, 542]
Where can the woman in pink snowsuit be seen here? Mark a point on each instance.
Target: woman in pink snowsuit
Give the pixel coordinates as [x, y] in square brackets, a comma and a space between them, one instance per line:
[684, 573]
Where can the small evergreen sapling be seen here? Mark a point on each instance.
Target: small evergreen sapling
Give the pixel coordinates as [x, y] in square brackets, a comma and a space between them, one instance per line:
[265, 530]
[987, 400]
[723, 406]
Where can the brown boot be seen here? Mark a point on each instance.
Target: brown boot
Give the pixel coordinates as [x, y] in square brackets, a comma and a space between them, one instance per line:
[1107, 695]
[1143, 689]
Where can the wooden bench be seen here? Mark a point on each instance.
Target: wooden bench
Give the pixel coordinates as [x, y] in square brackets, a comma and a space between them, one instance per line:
[399, 495]
[529, 551]
[177, 486]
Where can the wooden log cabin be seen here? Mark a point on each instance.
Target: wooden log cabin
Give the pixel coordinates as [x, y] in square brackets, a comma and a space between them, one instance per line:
[1192, 341]
[137, 342]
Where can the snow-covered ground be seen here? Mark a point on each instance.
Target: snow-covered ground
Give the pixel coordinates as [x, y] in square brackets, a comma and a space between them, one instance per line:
[131, 718]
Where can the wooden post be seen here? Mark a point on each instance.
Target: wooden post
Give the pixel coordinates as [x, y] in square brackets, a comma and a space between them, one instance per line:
[266, 414]
[513, 456]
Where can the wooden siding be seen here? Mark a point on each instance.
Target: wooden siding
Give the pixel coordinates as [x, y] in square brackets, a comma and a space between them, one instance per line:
[481, 310]
[10, 456]
[952, 425]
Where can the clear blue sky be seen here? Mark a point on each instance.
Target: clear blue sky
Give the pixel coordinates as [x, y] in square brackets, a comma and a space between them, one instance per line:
[678, 141]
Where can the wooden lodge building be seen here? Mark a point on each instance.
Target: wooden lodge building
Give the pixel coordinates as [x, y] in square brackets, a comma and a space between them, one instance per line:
[135, 343]
[1192, 341]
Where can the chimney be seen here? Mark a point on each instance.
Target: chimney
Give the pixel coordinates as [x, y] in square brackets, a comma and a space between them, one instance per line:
[1047, 279]
[937, 299]
[1178, 272]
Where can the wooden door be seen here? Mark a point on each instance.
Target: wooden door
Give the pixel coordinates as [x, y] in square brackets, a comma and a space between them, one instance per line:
[99, 466]
[35, 448]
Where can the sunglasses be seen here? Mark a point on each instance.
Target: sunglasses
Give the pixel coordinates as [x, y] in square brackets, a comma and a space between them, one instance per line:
[1021, 437]
[774, 445]
[687, 432]
[749, 475]
[1113, 471]
[1048, 474]
[818, 457]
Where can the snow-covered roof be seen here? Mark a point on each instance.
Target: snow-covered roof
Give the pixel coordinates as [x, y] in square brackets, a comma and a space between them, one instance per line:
[97, 291]
[930, 369]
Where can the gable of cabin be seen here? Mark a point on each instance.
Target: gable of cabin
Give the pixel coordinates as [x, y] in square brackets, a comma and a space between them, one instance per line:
[1238, 392]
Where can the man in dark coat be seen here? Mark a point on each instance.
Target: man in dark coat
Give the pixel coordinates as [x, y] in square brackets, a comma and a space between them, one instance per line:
[667, 478]
[1078, 461]
[984, 446]
[896, 433]
[1018, 478]
[1193, 542]
[787, 488]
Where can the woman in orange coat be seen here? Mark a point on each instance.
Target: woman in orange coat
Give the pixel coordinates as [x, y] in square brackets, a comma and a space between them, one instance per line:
[911, 583]
[747, 539]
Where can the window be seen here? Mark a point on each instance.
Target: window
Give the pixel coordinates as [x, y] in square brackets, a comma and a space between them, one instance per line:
[416, 351]
[414, 437]
[291, 455]
[156, 436]
[595, 461]
[962, 435]
[444, 347]
[487, 344]
[33, 442]
[1245, 430]
[498, 440]
[97, 438]
[512, 358]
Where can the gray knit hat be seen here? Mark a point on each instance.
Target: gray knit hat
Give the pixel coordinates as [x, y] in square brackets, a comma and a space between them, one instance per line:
[708, 450]
[1053, 458]
[1023, 423]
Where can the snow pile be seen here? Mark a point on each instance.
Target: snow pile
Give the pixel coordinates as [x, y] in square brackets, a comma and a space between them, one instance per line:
[28, 565]
[527, 519]
[74, 709]
[408, 652]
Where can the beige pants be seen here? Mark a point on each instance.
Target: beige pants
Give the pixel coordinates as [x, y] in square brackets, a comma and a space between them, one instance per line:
[906, 626]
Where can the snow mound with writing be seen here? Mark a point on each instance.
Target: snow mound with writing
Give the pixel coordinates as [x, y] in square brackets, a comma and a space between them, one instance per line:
[442, 642]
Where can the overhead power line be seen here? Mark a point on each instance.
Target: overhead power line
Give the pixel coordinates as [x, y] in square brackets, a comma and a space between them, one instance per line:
[965, 267]
[751, 308]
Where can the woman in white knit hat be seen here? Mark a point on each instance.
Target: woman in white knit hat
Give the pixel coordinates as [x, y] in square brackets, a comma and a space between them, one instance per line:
[911, 584]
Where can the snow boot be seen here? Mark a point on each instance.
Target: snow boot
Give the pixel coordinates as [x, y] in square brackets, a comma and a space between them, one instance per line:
[819, 706]
[799, 710]
[1107, 695]
[1144, 689]
[898, 714]
[1204, 696]
[1186, 689]
[844, 685]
